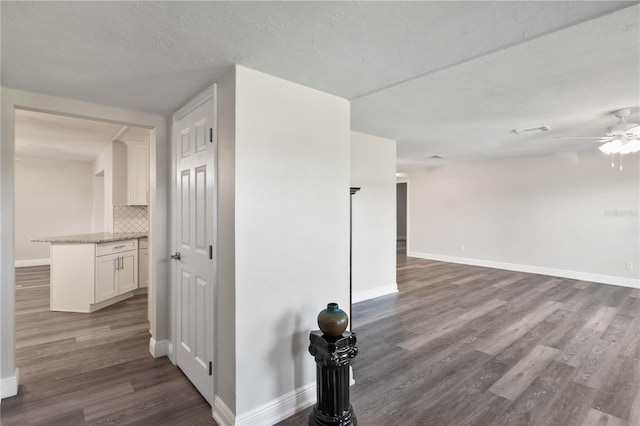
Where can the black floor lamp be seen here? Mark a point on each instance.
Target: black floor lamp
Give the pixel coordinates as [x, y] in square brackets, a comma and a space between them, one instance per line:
[352, 191]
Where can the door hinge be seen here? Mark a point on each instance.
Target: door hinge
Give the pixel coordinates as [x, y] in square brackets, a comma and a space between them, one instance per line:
[210, 252]
[211, 134]
[210, 368]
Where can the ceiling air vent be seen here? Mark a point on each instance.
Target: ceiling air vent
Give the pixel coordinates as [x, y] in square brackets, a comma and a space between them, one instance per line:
[540, 128]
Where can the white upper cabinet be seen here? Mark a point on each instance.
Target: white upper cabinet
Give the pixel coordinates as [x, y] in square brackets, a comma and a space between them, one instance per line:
[119, 173]
[137, 174]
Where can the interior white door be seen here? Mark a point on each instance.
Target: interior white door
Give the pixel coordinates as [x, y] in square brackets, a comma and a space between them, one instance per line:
[194, 156]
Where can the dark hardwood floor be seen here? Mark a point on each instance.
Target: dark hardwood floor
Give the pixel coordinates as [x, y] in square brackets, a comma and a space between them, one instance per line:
[458, 345]
[464, 345]
[92, 369]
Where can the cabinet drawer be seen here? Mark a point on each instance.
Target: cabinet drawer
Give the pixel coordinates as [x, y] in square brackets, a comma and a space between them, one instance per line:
[116, 247]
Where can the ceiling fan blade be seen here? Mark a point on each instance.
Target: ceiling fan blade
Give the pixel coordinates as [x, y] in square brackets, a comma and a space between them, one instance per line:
[583, 143]
[633, 130]
[604, 138]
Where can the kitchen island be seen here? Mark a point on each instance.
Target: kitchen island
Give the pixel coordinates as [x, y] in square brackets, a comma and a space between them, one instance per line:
[92, 271]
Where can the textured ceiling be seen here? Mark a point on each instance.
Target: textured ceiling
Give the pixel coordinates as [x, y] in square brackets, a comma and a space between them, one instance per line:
[570, 80]
[66, 138]
[154, 56]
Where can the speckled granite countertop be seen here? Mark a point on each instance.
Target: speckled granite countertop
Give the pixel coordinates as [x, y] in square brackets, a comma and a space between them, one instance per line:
[97, 238]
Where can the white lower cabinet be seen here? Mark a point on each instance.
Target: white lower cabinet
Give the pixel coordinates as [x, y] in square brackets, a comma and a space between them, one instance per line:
[88, 277]
[116, 274]
[128, 273]
[106, 277]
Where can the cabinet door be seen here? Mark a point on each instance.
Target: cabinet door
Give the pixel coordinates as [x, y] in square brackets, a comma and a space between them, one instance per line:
[106, 277]
[143, 268]
[138, 175]
[128, 273]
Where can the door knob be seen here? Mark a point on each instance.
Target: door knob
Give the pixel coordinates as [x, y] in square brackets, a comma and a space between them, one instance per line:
[176, 256]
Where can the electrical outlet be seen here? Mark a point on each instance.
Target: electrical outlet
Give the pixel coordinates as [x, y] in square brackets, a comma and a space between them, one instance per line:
[628, 266]
[461, 249]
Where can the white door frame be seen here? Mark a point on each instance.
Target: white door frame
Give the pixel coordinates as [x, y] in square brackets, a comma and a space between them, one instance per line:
[207, 95]
[158, 221]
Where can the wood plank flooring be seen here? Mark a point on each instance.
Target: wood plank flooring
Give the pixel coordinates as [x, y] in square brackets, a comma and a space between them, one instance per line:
[464, 345]
[92, 369]
[458, 345]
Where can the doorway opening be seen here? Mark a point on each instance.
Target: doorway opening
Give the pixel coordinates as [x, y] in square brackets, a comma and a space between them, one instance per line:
[71, 189]
[401, 218]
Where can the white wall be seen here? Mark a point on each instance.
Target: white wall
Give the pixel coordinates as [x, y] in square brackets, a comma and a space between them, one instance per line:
[158, 208]
[103, 165]
[373, 169]
[53, 197]
[225, 337]
[545, 214]
[98, 202]
[8, 371]
[291, 232]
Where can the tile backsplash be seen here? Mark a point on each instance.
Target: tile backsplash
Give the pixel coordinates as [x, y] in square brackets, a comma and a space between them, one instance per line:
[130, 219]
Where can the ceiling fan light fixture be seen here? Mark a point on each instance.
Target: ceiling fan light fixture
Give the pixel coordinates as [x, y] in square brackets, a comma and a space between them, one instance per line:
[615, 145]
[606, 148]
[630, 147]
[612, 147]
[622, 127]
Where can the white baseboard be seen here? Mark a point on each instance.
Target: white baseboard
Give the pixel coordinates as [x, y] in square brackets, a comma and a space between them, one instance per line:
[540, 270]
[280, 408]
[9, 385]
[222, 414]
[361, 296]
[171, 355]
[32, 262]
[158, 348]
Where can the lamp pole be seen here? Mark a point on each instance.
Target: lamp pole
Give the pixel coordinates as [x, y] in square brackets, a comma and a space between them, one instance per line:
[352, 191]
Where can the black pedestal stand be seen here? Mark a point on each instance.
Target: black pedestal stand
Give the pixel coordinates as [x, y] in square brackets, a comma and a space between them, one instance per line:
[333, 356]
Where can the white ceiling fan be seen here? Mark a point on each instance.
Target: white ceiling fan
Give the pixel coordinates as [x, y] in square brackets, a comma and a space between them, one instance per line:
[621, 138]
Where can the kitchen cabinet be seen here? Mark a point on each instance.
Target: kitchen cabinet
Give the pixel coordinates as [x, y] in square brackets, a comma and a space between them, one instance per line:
[137, 173]
[143, 263]
[86, 277]
[116, 273]
[106, 277]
